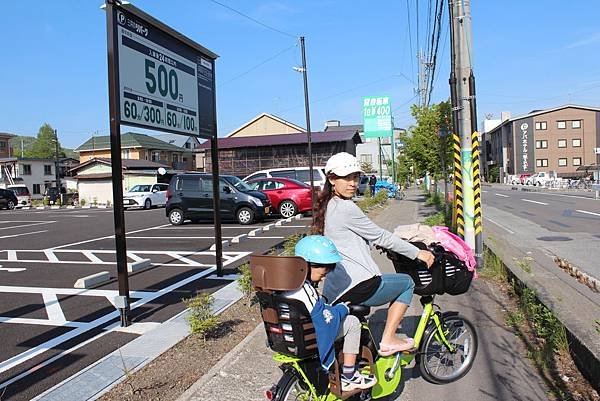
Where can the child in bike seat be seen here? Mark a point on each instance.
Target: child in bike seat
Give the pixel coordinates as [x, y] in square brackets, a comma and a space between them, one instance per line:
[330, 322]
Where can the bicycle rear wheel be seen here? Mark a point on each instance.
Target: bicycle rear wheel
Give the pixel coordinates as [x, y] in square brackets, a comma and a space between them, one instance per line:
[291, 388]
[437, 363]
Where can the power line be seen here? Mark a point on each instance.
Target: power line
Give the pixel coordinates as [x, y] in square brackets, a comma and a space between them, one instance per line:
[258, 65]
[254, 19]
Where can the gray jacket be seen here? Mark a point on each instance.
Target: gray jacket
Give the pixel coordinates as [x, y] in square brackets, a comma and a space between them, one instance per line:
[352, 232]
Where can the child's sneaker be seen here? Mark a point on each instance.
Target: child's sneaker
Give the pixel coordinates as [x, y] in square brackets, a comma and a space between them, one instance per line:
[358, 381]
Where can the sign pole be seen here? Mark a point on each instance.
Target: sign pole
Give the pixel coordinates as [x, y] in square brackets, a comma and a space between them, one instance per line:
[214, 154]
[308, 132]
[122, 301]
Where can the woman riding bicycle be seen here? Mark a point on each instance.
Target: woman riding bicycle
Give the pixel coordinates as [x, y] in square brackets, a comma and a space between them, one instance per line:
[358, 279]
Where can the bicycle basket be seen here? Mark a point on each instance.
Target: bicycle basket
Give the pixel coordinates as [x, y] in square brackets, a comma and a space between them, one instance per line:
[448, 275]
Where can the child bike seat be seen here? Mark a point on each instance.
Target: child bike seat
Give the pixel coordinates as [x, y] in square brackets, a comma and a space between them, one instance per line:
[359, 310]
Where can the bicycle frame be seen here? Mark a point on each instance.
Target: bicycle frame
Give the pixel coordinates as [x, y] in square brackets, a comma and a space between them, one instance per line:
[388, 369]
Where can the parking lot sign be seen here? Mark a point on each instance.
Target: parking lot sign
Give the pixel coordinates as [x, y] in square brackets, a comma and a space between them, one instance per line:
[377, 116]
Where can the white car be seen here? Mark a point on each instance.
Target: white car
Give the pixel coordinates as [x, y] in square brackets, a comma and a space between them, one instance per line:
[23, 195]
[146, 196]
[540, 179]
[301, 174]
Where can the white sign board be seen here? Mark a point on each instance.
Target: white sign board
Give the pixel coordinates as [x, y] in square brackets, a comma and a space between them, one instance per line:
[597, 151]
[164, 84]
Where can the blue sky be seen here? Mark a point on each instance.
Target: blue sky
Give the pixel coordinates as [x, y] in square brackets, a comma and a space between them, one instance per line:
[526, 54]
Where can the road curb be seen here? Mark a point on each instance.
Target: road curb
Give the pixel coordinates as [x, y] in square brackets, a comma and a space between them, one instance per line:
[214, 371]
[584, 344]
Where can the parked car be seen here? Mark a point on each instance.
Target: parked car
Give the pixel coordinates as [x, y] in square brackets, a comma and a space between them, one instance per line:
[8, 199]
[287, 196]
[363, 184]
[146, 196]
[190, 197]
[23, 195]
[540, 179]
[51, 195]
[295, 173]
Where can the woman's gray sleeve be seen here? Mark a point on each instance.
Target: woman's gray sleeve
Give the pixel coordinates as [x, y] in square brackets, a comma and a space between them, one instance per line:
[361, 225]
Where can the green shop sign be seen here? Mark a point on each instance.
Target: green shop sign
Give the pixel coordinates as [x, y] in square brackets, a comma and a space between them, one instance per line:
[377, 116]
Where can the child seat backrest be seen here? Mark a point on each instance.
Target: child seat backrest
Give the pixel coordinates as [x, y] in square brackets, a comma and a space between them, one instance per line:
[287, 323]
[277, 273]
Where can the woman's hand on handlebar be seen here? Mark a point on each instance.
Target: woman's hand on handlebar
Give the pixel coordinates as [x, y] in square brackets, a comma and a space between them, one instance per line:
[426, 257]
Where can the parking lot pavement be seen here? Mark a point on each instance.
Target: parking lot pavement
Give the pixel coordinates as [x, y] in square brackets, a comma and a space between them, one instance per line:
[50, 330]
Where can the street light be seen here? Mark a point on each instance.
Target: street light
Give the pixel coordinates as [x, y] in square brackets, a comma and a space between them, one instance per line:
[308, 132]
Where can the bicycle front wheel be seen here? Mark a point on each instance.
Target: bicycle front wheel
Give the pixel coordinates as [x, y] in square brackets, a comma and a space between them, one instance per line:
[291, 388]
[437, 363]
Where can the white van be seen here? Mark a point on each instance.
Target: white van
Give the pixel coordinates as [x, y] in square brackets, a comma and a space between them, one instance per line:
[22, 192]
[296, 173]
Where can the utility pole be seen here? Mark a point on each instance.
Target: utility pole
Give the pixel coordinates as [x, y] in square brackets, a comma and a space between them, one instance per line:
[56, 161]
[422, 79]
[308, 132]
[460, 27]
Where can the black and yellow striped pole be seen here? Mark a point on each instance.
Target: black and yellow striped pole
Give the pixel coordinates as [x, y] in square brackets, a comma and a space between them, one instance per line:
[458, 219]
[477, 222]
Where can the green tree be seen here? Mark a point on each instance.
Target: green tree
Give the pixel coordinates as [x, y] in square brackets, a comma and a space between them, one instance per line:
[43, 147]
[423, 144]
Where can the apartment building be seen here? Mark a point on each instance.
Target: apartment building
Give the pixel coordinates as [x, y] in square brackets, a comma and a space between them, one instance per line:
[564, 139]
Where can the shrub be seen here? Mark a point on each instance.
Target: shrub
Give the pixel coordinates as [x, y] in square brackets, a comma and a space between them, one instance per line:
[202, 320]
[82, 202]
[368, 193]
[245, 282]
[290, 244]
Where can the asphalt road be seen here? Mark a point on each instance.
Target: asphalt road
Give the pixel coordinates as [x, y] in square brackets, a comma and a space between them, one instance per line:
[561, 224]
[50, 330]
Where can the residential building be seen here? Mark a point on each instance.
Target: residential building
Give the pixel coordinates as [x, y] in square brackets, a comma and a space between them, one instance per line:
[94, 177]
[245, 155]
[368, 151]
[561, 139]
[38, 174]
[266, 124]
[5, 145]
[190, 143]
[136, 146]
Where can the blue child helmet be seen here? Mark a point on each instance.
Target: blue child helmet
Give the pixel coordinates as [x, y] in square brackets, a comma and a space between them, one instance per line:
[317, 249]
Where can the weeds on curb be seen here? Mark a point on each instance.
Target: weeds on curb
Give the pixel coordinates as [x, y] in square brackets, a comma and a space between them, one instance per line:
[370, 202]
[492, 267]
[290, 244]
[524, 264]
[245, 284]
[202, 320]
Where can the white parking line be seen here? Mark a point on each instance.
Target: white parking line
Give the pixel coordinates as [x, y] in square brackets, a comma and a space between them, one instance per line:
[586, 212]
[107, 237]
[213, 237]
[53, 309]
[532, 201]
[261, 237]
[18, 235]
[503, 196]
[27, 225]
[149, 297]
[498, 224]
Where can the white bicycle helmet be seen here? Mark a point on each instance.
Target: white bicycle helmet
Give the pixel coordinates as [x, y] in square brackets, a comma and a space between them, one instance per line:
[342, 164]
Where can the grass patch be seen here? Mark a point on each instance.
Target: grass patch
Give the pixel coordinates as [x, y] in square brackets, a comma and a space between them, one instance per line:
[437, 219]
[440, 218]
[524, 264]
[492, 267]
[367, 203]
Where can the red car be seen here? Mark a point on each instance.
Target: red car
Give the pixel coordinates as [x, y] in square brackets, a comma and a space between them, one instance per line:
[287, 196]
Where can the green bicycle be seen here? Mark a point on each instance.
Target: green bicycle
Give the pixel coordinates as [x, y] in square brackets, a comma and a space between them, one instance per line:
[445, 342]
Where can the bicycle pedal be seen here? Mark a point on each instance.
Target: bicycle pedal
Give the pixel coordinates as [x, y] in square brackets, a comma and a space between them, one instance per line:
[411, 351]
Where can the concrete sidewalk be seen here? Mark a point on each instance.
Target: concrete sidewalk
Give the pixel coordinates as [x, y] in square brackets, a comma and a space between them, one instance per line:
[501, 371]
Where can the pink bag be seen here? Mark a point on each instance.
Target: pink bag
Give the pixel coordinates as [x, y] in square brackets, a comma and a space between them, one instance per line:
[453, 243]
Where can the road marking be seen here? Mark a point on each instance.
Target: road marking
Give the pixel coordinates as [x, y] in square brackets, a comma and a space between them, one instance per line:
[485, 192]
[532, 201]
[213, 237]
[53, 309]
[586, 212]
[503, 196]
[18, 235]
[107, 237]
[27, 225]
[35, 351]
[498, 224]
[12, 269]
[261, 237]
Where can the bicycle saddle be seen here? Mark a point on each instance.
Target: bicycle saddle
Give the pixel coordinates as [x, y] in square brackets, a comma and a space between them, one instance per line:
[359, 310]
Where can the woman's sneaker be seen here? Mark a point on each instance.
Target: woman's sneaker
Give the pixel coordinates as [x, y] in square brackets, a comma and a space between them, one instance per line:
[358, 381]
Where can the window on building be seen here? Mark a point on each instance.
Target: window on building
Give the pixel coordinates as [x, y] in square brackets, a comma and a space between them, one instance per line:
[576, 143]
[37, 189]
[541, 125]
[541, 162]
[187, 145]
[175, 158]
[125, 154]
[2, 144]
[576, 124]
[577, 161]
[562, 162]
[562, 143]
[155, 155]
[561, 124]
[366, 158]
[26, 169]
[543, 144]
[47, 169]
